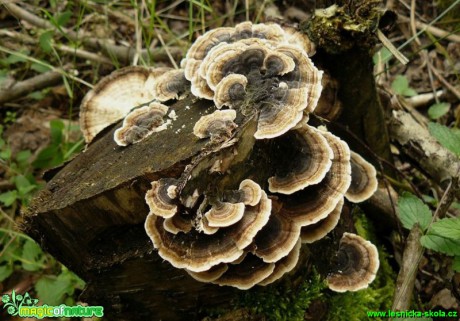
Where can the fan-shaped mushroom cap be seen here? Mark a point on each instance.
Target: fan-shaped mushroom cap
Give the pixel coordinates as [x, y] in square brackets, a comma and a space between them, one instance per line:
[277, 238]
[246, 274]
[205, 227]
[219, 123]
[114, 97]
[363, 179]
[358, 263]
[170, 85]
[198, 252]
[159, 198]
[276, 63]
[210, 275]
[283, 266]
[230, 90]
[251, 191]
[178, 223]
[224, 214]
[315, 202]
[140, 123]
[314, 232]
[312, 165]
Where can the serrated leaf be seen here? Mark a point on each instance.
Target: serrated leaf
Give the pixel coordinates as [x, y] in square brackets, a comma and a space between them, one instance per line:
[32, 256]
[447, 227]
[51, 290]
[412, 210]
[5, 271]
[8, 198]
[456, 263]
[441, 244]
[438, 110]
[448, 137]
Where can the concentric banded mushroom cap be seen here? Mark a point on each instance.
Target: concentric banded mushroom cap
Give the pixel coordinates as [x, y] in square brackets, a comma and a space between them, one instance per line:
[363, 179]
[310, 167]
[219, 123]
[140, 123]
[252, 193]
[283, 266]
[314, 232]
[178, 223]
[358, 263]
[170, 85]
[315, 202]
[114, 97]
[160, 198]
[230, 90]
[210, 275]
[225, 214]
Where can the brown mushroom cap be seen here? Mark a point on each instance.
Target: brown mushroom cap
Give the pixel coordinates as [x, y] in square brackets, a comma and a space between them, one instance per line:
[314, 232]
[158, 199]
[178, 223]
[363, 179]
[219, 123]
[283, 266]
[198, 252]
[140, 123]
[170, 85]
[247, 273]
[310, 167]
[277, 238]
[203, 226]
[210, 275]
[224, 214]
[252, 193]
[230, 90]
[114, 97]
[315, 202]
[358, 263]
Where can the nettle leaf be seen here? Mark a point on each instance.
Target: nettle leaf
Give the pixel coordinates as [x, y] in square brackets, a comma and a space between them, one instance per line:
[447, 227]
[52, 290]
[448, 137]
[438, 110]
[23, 185]
[32, 256]
[441, 244]
[456, 263]
[412, 210]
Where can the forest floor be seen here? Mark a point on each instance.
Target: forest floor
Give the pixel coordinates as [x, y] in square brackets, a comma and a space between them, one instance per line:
[49, 59]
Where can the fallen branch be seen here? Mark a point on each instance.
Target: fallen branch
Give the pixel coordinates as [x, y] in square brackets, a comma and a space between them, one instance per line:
[25, 87]
[120, 53]
[417, 143]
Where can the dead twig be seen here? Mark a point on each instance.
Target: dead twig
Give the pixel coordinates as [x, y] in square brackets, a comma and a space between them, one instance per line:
[433, 30]
[47, 79]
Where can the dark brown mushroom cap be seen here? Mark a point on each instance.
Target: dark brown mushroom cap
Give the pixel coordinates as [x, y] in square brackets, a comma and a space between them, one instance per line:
[283, 266]
[277, 238]
[247, 273]
[160, 198]
[315, 202]
[224, 214]
[363, 179]
[230, 90]
[210, 275]
[358, 263]
[178, 223]
[140, 123]
[198, 252]
[219, 123]
[170, 85]
[314, 232]
[114, 97]
[309, 167]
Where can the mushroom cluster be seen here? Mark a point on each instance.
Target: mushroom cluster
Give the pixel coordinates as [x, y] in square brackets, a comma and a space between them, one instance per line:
[236, 226]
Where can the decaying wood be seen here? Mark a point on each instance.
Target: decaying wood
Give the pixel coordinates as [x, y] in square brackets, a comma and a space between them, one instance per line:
[417, 143]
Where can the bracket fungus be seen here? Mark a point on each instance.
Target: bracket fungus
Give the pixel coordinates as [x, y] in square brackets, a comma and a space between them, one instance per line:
[284, 182]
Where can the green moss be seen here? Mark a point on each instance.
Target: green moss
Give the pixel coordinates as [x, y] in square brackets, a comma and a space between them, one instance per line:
[286, 300]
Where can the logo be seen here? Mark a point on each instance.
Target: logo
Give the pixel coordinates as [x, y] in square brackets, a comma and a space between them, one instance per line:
[24, 306]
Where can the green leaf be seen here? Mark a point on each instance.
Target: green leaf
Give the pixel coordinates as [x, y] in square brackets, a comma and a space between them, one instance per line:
[23, 185]
[438, 110]
[5, 154]
[63, 18]
[32, 256]
[447, 227]
[8, 198]
[383, 55]
[39, 67]
[56, 127]
[412, 210]
[37, 95]
[456, 263]
[5, 271]
[51, 290]
[441, 244]
[401, 87]
[409, 92]
[448, 137]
